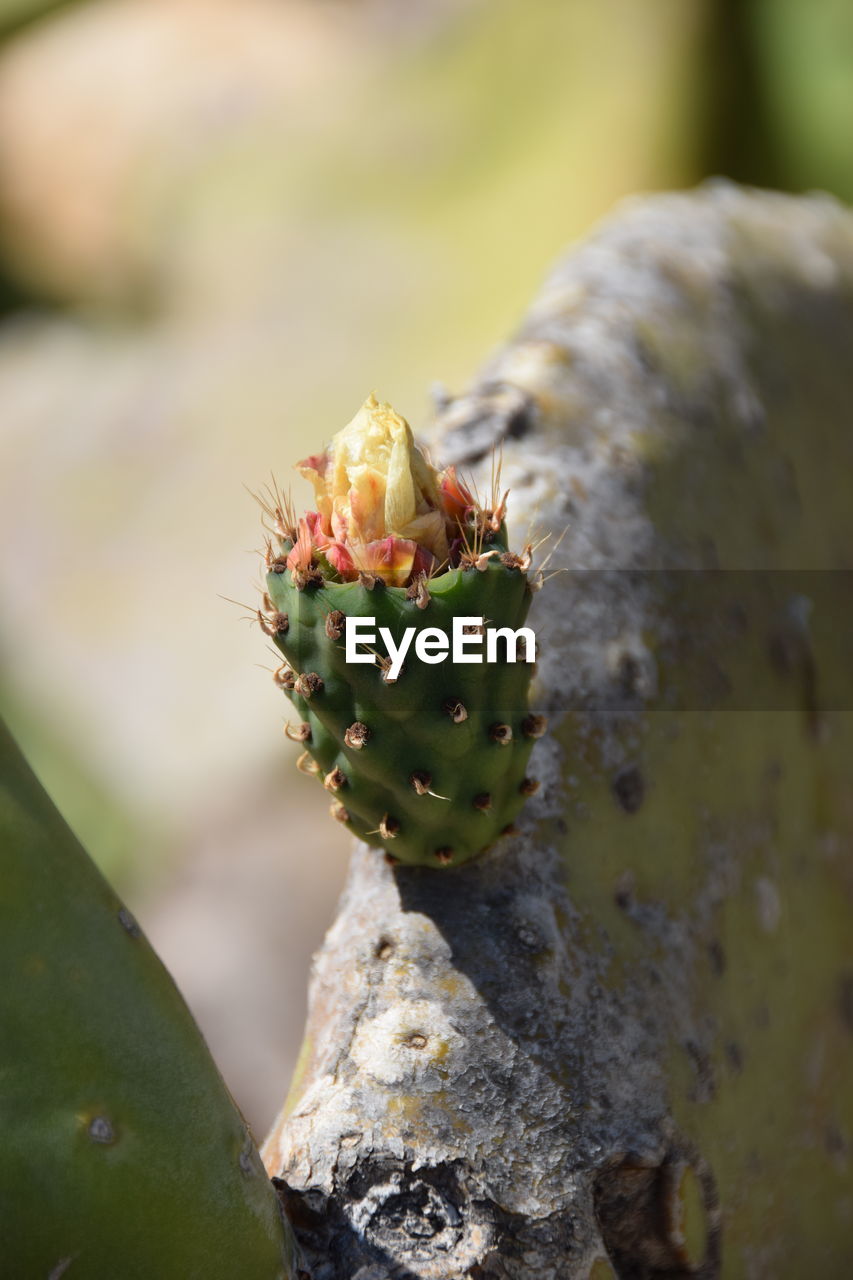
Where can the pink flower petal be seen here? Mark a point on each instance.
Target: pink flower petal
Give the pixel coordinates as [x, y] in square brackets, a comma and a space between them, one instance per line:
[340, 559]
[457, 497]
[318, 531]
[389, 558]
[303, 551]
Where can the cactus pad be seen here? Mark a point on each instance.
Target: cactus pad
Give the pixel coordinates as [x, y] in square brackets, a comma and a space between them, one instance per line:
[428, 762]
[122, 1154]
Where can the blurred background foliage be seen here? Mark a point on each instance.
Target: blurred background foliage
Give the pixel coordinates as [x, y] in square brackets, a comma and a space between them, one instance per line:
[222, 223]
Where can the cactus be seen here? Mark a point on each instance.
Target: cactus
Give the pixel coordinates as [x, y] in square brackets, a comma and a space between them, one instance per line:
[122, 1152]
[625, 1046]
[423, 757]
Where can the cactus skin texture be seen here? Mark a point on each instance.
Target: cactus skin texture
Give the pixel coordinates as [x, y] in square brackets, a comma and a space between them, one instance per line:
[430, 765]
[122, 1153]
[443, 787]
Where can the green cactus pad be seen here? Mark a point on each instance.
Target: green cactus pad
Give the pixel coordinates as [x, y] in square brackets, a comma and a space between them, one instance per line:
[430, 767]
[122, 1153]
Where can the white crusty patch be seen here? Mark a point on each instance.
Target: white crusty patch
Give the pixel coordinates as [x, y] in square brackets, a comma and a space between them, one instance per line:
[402, 1043]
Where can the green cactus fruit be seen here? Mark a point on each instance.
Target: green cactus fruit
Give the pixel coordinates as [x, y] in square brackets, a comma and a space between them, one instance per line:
[122, 1153]
[424, 758]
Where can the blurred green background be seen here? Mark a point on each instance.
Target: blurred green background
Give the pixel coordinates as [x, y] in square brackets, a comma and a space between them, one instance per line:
[222, 223]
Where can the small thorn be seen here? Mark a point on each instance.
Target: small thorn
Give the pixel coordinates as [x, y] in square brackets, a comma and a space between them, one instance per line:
[308, 683]
[302, 732]
[389, 827]
[512, 561]
[482, 561]
[338, 812]
[278, 565]
[473, 556]
[419, 591]
[455, 709]
[307, 764]
[421, 783]
[529, 786]
[444, 855]
[501, 733]
[483, 802]
[335, 624]
[509, 830]
[334, 780]
[284, 676]
[303, 578]
[277, 624]
[308, 578]
[356, 736]
[534, 726]
[368, 580]
[278, 510]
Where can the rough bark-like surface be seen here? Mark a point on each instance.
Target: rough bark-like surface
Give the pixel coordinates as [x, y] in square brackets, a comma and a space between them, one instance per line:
[623, 1043]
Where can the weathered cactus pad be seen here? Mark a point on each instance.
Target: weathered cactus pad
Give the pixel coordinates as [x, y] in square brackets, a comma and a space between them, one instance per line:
[122, 1153]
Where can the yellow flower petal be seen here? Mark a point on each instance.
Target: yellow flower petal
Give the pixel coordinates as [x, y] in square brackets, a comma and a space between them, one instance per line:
[373, 482]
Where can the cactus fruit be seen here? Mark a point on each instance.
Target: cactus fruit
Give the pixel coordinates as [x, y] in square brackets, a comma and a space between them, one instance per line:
[122, 1153]
[423, 752]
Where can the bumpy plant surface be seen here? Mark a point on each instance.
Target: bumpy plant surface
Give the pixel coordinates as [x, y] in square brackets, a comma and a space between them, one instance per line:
[427, 759]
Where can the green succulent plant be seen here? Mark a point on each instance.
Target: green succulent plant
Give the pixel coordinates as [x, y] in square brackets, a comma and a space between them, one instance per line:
[122, 1152]
[424, 741]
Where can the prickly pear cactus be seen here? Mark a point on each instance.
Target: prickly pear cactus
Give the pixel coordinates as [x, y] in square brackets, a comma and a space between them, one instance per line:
[417, 721]
[122, 1153]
